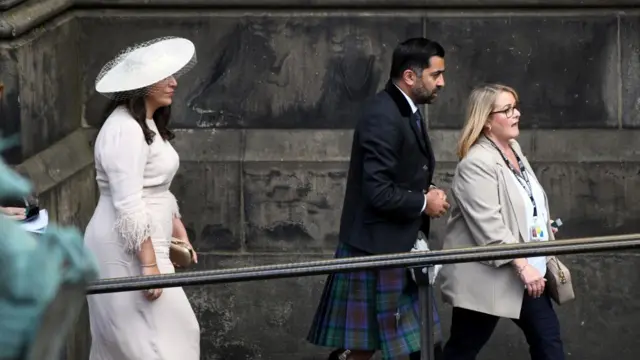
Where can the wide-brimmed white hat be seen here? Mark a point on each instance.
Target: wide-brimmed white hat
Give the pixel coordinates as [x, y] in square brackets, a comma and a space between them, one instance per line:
[138, 67]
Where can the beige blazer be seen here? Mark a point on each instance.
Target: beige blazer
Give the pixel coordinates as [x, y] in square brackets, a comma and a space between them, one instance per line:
[488, 210]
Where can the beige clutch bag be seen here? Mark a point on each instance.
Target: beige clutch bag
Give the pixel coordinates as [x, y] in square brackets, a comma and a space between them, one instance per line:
[180, 253]
[559, 281]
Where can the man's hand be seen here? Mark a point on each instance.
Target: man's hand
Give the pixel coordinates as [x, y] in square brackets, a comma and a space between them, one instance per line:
[437, 204]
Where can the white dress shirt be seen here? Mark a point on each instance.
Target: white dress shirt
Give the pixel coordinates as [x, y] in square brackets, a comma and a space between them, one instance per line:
[538, 262]
[414, 109]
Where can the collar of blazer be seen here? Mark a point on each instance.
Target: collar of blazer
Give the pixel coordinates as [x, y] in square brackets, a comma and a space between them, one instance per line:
[512, 188]
[405, 110]
[399, 99]
[484, 142]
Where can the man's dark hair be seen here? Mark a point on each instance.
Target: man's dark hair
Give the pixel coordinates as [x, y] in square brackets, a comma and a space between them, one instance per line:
[414, 54]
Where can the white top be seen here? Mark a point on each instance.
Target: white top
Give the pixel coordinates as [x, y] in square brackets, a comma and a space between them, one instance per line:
[539, 262]
[130, 171]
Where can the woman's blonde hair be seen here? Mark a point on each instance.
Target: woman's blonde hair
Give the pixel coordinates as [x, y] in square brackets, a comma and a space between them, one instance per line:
[479, 106]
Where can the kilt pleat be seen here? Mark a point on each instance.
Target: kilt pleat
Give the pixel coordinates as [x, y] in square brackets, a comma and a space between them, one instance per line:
[369, 310]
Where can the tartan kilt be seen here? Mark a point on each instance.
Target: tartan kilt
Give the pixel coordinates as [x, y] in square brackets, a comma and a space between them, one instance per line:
[370, 310]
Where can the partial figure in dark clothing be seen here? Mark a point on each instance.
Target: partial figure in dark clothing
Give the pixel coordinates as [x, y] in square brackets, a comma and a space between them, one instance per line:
[390, 197]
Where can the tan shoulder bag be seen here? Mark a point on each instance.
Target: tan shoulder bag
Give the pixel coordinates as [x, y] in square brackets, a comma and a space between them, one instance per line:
[559, 281]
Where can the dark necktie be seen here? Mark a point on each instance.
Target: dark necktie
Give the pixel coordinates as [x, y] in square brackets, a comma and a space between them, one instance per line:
[419, 120]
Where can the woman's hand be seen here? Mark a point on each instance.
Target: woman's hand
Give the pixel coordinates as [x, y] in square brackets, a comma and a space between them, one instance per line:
[14, 213]
[532, 279]
[180, 232]
[553, 228]
[194, 255]
[152, 269]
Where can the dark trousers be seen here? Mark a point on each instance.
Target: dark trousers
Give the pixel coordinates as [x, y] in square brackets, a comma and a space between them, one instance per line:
[437, 353]
[470, 331]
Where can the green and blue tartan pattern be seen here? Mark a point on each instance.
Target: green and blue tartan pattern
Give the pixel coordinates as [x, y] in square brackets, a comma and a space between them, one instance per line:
[369, 310]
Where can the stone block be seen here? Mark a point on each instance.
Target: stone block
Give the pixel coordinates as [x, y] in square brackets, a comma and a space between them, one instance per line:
[211, 145]
[77, 198]
[208, 188]
[60, 161]
[630, 68]
[292, 206]
[294, 182]
[278, 145]
[9, 104]
[567, 81]
[593, 146]
[7, 4]
[256, 320]
[280, 71]
[73, 201]
[592, 199]
[49, 101]
[208, 194]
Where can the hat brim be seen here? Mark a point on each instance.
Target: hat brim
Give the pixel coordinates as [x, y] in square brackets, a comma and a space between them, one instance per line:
[145, 66]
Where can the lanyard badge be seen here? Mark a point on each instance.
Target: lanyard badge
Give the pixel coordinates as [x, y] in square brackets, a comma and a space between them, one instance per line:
[536, 230]
[522, 177]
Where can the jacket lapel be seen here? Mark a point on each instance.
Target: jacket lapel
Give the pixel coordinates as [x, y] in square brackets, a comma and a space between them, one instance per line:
[405, 110]
[515, 198]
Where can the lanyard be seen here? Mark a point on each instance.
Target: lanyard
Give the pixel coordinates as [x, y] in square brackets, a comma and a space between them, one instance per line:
[522, 177]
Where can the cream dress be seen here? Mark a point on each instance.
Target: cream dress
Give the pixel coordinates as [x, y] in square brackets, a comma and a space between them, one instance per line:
[135, 203]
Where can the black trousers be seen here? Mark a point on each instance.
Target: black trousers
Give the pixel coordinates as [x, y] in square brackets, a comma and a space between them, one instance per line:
[437, 353]
[470, 331]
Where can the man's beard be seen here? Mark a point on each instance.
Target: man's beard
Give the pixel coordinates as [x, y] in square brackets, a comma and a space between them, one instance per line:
[423, 96]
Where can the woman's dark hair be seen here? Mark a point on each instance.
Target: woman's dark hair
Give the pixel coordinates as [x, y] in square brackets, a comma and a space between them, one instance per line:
[136, 107]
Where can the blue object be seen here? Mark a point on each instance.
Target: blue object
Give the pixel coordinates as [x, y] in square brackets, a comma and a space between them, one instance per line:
[32, 269]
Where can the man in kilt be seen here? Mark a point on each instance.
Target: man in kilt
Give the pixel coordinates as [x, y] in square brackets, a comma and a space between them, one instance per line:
[390, 197]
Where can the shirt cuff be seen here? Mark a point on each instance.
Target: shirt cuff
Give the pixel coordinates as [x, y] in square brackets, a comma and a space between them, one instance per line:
[424, 206]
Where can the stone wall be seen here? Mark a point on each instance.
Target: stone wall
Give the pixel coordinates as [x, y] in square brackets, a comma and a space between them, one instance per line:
[265, 123]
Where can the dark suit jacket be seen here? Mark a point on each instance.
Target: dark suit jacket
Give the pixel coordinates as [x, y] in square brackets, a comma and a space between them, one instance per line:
[391, 166]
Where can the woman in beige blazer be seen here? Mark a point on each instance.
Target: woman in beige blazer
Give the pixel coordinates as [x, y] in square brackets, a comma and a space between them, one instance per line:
[498, 200]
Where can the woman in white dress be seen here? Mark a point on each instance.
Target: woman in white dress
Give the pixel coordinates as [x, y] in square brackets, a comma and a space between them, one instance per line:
[136, 216]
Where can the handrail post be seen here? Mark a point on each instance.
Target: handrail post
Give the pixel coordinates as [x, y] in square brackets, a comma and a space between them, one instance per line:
[425, 296]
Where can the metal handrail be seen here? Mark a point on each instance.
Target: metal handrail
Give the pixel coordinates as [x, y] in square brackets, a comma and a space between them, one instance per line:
[410, 259]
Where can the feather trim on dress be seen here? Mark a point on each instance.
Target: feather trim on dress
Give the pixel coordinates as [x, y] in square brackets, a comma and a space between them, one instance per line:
[134, 228]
